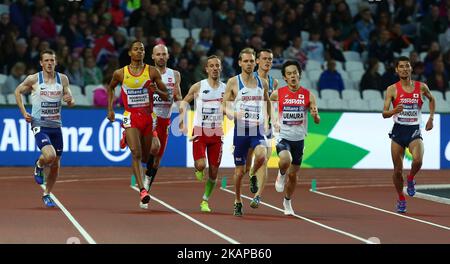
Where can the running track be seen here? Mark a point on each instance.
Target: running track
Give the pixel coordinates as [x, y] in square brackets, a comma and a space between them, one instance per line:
[349, 207]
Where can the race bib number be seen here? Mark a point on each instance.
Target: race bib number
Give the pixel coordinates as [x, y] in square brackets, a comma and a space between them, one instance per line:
[126, 119]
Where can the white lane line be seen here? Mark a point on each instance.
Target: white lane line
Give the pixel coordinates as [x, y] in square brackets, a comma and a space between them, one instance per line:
[195, 221]
[309, 220]
[431, 197]
[381, 210]
[72, 219]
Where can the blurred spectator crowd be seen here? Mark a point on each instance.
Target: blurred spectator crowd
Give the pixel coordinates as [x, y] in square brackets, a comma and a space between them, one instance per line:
[346, 48]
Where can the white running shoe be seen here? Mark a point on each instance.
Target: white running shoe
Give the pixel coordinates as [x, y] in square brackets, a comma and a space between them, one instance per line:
[279, 183]
[146, 182]
[287, 207]
[143, 206]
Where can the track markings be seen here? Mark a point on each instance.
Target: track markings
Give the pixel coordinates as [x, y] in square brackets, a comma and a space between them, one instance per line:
[72, 219]
[381, 210]
[195, 221]
[310, 221]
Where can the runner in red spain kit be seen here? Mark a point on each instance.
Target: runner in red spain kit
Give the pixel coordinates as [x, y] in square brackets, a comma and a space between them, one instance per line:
[136, 90]
[406, 98]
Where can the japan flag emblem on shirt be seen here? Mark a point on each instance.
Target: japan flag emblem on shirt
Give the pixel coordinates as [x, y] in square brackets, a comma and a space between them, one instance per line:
[416, 95]
[301, 96]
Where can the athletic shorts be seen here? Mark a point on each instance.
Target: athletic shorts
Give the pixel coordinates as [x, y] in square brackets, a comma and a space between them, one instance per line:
[49, 136]
[140, 120]
[404, 134]
[162, 129]
[294, 147]
[211, 145]
[242, 143]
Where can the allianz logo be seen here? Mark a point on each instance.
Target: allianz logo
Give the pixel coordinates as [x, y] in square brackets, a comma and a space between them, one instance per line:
[18, 137]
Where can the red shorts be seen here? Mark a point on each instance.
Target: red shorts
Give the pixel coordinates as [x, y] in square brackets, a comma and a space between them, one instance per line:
[211, 145]
[162, 129]
[140, 120]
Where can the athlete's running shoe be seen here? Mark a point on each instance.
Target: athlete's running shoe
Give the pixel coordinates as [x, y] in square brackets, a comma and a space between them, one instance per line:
[145, 198]
[253, 184]
[204, 207]
[401, 206]
[143, 205]
[279, 183]
[237, 209]
[48, 201]
[123, 140]
[147, 181]
[411, 190]
[288, 207]
[38, 174]
[199, 175]
[255, 202]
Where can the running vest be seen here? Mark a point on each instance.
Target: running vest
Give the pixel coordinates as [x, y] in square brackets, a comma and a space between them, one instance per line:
[160, 107]
[46, 102]
[270, 80]
[293, 113]
[412, 105]
[250, 101]
[134, 91]
[208, 108]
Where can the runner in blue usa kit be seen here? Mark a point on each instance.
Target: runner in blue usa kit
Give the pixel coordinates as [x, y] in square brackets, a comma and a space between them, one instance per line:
[246, 101]
[48, 88]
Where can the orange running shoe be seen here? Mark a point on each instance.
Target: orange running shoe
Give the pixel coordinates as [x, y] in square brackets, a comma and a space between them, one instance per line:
[145, 198]
[123, 141]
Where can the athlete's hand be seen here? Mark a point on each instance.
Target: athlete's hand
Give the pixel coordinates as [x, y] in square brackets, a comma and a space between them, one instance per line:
[182, 127]
[111, 116]
[429, 124]
[28, 117]
[276, 127]
[398, 109]
[68, 99]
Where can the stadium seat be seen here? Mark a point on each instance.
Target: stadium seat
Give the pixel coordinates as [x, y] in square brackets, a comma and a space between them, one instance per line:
[276, 73]
[375, 104]
[305, 82]
[179, 33]
[351, 94]
[329, 94]
[371, 94]
[250, 7]
[337, 104]
[2, 99]
[177, 22]
[422, 56]
[447, 95]
[356, 76]
[426, 106]
[81, 100]
[314, 75]
[443, 108]
[75, 89]
[304, 35]
[354, 66]
[195, 34]
[381, 68]
[357, 105]
[315, 92]
[438, 95]
[2, 79]
[11, 98]
[313, 65]
[352, 55]
[321, 103]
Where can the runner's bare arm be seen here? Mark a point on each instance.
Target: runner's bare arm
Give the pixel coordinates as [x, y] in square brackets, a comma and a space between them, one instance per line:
[268, 103]
[160, 87]
[67, 93]
[427, 93]
[177, 94]
[24, 88]
[390, 95]
[193, 91]
[116, 79]
[313, 108]
[274, 100]
[229, 97]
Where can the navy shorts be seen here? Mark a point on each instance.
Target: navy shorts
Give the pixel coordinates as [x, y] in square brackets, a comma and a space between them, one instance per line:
[242, 143]
[49, 136]
[403, 134]
[294, 147]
